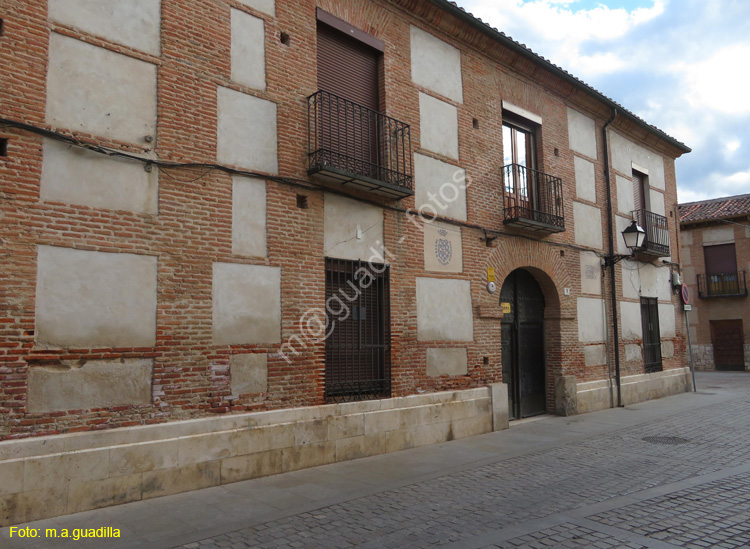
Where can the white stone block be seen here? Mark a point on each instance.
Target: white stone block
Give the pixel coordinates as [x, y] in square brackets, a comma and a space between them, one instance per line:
[266, 6]
[246, 131]
[630, 317]
[443, 247]
[587, 222]
[591, 273]
[585, 179]
[97, 91]
[581, 133]
[440, 188]
[352, 229]
[444, 311]
[621, 223]
[667, 324]
[626, 153]
[249, 217]
[595, 355]
[625, 195]
[438, 126]
[656, 202]
[248, 51]
[78, 176]
[249, 373]
[591, 325]
[436, 65]
[447, 362]
[95, 299]
[718, 235]
[246, 304]
[133, 23]
[95, 384]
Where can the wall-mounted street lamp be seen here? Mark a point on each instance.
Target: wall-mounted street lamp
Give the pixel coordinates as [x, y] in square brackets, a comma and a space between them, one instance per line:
[634, 235]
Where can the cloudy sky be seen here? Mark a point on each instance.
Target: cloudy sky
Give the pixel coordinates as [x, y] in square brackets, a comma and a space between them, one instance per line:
[682, 65]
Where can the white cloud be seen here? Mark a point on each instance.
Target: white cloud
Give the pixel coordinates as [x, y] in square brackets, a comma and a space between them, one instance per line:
[564, 29]
[720, 82]
[714, 185]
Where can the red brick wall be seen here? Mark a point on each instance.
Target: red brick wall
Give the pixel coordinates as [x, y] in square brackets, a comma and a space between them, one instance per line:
[193, 227]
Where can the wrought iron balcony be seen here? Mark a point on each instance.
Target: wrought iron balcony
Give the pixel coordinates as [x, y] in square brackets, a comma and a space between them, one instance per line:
[722, 285]
[656, 242]
[351, 145]
[532, 199]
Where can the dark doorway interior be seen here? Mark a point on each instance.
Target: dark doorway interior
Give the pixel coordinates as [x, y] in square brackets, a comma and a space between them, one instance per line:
[523, 345]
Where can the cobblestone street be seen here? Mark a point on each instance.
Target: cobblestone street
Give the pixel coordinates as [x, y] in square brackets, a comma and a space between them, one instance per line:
[667, 473]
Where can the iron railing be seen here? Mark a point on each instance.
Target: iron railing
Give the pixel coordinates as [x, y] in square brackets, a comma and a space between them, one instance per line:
[532, 199]
[358, 342]
[656, 241]
[722, 285]
[358, 142]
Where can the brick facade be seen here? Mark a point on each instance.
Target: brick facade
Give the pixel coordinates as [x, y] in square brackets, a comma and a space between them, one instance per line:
[193, 227]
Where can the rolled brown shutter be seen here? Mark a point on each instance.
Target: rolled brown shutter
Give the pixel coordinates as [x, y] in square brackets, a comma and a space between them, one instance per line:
[347, 67]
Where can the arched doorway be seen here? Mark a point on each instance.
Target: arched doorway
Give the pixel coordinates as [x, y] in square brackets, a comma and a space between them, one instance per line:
[522, 333]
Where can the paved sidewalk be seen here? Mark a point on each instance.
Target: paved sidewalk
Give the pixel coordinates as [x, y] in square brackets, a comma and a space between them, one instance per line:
[665, 473]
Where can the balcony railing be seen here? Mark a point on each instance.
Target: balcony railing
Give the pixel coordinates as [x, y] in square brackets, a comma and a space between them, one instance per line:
[657, 233]
[722, 285]
[532, 199]
[351, 145]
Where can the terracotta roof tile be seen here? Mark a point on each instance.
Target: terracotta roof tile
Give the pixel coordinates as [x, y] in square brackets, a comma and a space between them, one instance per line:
[716, 208]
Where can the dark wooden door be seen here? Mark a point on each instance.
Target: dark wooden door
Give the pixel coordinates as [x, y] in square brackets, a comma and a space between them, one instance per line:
[522, 333]
[729, 344]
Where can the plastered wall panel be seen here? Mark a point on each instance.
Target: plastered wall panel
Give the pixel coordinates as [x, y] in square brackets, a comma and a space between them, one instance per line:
[248, 373]
[688, 276]
[266, 6]
[97, 91]
[595, 355]
[718, 235]
[438, 125]
[625, 153]
[95, 299]
[436, 65]
[247, 131]
[133, 23]
[686, 255]
[630, 316]
[645, 279]
[590, 320]
[443, 249]
[581, 133]
[352, 229]
[249, 217]
[625, 195]
[439, 187]
[585, 179]
[656, 202]
[447, 362]
[78, 176]
[633, 353]
[686, 237]
[248, 50]
[246, 304]
[667, 326]
[591, 273]
[587, 222]
[95, 384]
[444, 311]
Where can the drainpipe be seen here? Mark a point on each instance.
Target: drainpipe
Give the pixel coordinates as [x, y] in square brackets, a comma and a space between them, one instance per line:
[611, 241]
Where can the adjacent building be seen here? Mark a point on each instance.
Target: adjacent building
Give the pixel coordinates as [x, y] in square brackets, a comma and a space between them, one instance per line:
[716, 259]
[243, 237]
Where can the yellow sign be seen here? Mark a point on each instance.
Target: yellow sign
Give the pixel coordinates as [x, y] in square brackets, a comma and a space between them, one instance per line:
[490, 274]
[506, 308]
